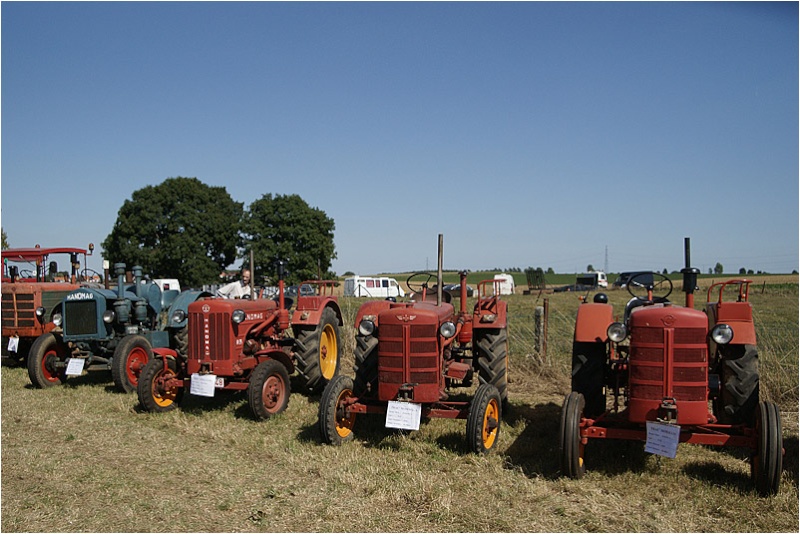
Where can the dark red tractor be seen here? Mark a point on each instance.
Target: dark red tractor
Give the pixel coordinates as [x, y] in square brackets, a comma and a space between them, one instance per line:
[411, 356]
[245, 344]
[674, 374]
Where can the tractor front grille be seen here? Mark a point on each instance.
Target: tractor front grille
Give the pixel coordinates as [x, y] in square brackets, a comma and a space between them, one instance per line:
[209, 336]
[18, 310]
[80, 318]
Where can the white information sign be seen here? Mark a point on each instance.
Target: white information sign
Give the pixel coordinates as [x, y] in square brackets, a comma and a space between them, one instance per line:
[75, 366]
[202, 385]
[13, 344]
[662, 439]
[403, 415]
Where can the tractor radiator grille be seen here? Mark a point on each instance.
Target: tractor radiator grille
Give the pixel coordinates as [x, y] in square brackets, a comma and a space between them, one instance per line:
[408, 353]
[209, 336]
[18, 310]
[80, 318]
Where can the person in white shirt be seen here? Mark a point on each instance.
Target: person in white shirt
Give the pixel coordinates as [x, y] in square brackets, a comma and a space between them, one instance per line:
[236, 290]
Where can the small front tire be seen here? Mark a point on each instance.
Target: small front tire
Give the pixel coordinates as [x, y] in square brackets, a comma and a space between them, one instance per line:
[269, 389]
[155, 392]
[767, 462]
[130, 357]
[47, 362]
[572, 464]
[335, 423]
[483, 420]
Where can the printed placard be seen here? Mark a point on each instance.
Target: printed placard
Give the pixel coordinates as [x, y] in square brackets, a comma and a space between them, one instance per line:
[13, 344]
[403, 415]
[662, 439]
[202, 385]
[75, 366]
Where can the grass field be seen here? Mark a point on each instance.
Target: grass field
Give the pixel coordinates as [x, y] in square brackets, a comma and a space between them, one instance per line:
[82, 457]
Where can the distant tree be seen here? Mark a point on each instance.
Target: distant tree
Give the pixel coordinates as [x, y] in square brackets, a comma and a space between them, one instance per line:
[718, 268]
[794, 271]
[750, 271]
[742, 270]
[665, 271]
[590, 268]
[180, 229]
[349, 273]
[710, 270]
[5, 239]
[285, 227]
[550, 270]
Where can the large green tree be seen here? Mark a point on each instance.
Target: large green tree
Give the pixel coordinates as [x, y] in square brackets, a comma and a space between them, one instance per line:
[180, 229]
[287, 228]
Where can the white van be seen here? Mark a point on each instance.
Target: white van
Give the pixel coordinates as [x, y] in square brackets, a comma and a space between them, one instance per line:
[506, 283]
[372, 286]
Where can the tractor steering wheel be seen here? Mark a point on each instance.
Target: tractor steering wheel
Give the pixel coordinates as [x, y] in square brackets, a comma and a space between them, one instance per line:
[26, 273]
[650, 287]
[416, 284]
[84, 274]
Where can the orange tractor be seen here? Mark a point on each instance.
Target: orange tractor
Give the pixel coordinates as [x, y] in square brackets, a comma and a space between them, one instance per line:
[411, 356]
[675, 375]
[245, 344]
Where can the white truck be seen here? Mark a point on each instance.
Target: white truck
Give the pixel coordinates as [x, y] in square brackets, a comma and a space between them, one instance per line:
[372, 286]
[593, 279]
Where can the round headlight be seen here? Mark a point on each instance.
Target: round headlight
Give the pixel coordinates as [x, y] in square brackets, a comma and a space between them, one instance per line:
[722, 334]
[617, 332]
[58, 319]
[108, 316]
[366, 328]
[237, 316]
[40, 312]
[178, 316]
[447, 330]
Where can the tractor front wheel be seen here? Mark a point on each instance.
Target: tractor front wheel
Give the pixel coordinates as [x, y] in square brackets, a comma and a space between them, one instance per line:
[570, 436]
[317, 357]
[767, 462]
[483, 420]
[47, 361]
[155, 392]
[335, 424]
[269, 389]
[130, 357]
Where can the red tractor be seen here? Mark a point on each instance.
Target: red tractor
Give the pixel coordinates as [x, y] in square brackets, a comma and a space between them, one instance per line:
[246, 344]
[409, 355]
[676, 375]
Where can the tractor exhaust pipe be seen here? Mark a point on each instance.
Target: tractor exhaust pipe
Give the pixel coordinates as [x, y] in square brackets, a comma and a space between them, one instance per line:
[439, 273]
[689, 274]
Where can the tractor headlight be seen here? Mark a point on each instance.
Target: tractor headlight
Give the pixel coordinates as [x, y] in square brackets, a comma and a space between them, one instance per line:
[722, 334]
[58, 319]
[108, 316]
[237, 316]
[366, 327]
[40, 312]
[617, 332]
[178, 316]
[447, 330]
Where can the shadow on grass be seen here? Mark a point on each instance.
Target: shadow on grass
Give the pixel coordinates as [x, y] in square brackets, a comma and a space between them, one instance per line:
[715, 474]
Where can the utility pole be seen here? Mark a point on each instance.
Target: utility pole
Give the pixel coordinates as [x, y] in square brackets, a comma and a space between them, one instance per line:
[605, 265]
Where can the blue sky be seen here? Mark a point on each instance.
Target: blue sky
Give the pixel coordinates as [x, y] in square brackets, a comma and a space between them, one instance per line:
[529, 134]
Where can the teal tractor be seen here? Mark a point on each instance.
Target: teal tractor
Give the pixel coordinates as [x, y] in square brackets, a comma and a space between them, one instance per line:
[116, 330]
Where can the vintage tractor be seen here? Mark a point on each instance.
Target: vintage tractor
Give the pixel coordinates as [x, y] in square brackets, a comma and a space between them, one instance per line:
[103, 329]
[33, 288]
[410, 357]
[246, 345]
[675, 374]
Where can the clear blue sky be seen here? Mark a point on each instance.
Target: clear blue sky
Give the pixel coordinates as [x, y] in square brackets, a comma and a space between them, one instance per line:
[529, 134]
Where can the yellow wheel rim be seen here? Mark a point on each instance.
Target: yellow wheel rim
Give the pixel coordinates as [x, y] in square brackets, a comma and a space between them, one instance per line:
[344, 424]
[491, 422]
[161, 396]
[328, 352]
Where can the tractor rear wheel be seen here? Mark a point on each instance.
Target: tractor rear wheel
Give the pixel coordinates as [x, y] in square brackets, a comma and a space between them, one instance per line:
[366, 366]
[130, 356]
[767, 462]
[335, 424]
[483, 420]
[588, 365]
[317, 356]
[269, 389]
[492, 360]
[572, 464]
[155, 395]
[738, 402]
[47, 361]
[180, 340]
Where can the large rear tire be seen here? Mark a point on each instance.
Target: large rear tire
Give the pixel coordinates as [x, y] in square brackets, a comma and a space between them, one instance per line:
[130, 357]
[366, 366]
[269, 389]
[571, 448]
[335, 425]
[47, 362]
[767, 462]
[483, 420]
[155, 395]
[739, 387]
[492, 361]
[588, 368]
[317, 356]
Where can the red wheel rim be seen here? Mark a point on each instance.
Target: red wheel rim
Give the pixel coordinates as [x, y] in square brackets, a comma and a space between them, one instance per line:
[48, 365]
[136, 360]
[273, 393]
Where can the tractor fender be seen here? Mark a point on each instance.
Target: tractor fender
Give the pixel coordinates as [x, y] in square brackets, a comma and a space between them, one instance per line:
[500, 311]
[592, 322]
[312, 317]
[182, 302]
[164, 352]
[374, 308]
[277, 355]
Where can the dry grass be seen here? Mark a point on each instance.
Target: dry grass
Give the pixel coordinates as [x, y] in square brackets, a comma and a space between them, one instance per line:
[84, 458]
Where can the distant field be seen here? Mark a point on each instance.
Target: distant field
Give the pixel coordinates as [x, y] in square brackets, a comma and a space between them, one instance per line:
[84, 458]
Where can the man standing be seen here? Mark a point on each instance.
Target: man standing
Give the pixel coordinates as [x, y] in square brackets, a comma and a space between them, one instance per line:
[236, 290]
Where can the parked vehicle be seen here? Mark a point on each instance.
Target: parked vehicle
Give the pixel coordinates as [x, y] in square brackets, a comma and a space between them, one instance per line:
[506, 284]
[411, 356]
[372, 286]
[33, 287]
[247, 345]
[663, 364]
[593, 279]
[642, 277]
[101, 329]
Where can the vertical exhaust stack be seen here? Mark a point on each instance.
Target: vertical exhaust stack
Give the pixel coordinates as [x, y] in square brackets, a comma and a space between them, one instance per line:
[439, 273]
[689, 274]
